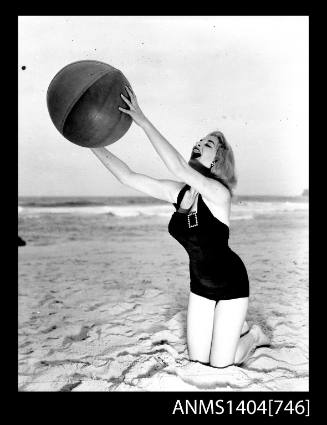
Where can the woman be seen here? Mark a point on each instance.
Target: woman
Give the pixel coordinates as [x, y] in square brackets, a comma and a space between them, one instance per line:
[217, 333]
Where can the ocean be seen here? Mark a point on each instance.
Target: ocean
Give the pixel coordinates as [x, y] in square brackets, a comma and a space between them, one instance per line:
[129, 206]
[47, 220]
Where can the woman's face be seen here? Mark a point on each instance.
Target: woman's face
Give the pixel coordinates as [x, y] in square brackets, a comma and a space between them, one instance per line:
[205, 150]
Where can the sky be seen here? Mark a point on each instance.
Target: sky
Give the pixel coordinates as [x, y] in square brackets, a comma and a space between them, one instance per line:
[246, 76]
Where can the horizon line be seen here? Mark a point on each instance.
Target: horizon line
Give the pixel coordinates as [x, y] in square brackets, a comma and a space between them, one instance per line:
[145, 196]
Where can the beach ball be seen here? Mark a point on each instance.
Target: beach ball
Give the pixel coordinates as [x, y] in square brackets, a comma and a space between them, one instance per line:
[83, 100]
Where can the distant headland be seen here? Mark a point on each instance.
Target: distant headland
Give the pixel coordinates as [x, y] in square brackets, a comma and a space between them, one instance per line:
[305, 192]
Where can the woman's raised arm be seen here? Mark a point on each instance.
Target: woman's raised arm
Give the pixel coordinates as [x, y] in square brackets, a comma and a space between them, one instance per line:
[116, 166]
[164, 189]
[212, 190]
[169, 155]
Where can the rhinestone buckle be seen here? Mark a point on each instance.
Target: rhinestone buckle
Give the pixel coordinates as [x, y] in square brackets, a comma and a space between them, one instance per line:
[192, 219]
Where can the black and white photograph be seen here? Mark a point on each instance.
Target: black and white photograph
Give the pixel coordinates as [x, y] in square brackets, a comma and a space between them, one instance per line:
[163, 204]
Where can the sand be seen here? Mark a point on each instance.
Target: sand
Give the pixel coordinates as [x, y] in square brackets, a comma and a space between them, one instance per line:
[107, 311]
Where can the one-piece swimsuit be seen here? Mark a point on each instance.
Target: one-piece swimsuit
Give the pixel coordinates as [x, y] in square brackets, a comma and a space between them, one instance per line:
[216, 272]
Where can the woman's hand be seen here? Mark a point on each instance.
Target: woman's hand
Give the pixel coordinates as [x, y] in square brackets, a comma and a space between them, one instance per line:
[134, 110]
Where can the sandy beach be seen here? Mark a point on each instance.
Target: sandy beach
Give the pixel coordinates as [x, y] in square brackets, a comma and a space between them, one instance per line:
[103, 307]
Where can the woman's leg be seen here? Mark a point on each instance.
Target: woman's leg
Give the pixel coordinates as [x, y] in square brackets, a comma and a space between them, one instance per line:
[253, 339]
[229, 319]
[200, 316]
[229, 322]
[245, 328]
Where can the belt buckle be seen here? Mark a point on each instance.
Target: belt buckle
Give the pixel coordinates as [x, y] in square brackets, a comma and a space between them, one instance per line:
[190, 218]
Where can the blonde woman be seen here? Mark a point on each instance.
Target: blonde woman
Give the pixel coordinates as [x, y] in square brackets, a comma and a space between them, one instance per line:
[217, 333]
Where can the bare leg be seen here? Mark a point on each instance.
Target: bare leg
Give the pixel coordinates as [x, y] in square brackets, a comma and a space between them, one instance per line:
[228, 322]
[249, 342]
[200, 316]
[245, 328]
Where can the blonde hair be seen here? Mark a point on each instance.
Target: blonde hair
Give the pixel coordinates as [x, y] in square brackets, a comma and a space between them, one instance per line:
[224, 167]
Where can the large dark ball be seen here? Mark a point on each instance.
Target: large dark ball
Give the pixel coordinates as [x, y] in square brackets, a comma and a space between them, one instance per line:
[83, 100]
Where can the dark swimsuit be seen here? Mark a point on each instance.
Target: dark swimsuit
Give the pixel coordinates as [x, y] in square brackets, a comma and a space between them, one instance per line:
[216, 272]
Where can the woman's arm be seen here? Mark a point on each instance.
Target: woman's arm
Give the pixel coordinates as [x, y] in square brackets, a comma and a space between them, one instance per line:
[211, 189]
[164, 189]
[167, 190]
[170, 156]
[117, 167]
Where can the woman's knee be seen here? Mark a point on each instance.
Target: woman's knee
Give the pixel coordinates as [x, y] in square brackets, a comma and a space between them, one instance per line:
[199, 355]
[199, 328]
[220, 365]
[220, 361]
[204, 361]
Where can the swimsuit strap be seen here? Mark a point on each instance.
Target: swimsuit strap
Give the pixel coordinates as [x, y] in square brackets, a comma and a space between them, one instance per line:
[180, 196]
[205, 206]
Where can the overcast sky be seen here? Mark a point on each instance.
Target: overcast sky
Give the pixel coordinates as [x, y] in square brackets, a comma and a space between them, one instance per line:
[246, 76]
